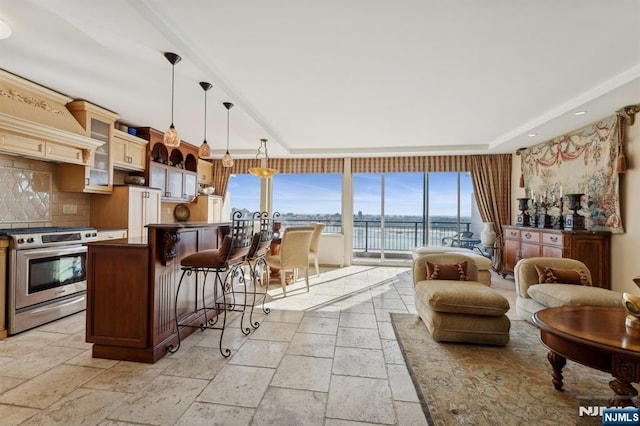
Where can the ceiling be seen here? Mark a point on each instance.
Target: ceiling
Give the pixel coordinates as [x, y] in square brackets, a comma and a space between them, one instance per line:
[334, 77]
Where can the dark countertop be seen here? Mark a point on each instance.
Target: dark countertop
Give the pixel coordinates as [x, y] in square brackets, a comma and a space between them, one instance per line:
[121, 242]
[187, 225]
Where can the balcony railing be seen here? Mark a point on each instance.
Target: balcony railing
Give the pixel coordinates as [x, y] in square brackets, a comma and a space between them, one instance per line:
[399, 236]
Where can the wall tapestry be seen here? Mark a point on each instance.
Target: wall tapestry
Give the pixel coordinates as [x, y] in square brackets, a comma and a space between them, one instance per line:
[581, 162]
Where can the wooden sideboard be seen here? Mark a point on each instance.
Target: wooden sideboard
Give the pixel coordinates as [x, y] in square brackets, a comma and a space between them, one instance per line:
[131, 287]
[593, 248]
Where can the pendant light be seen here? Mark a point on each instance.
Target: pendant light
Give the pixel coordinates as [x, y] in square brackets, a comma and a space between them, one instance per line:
[171, 136]
[260, 171]
[205, 150]
[227, 161]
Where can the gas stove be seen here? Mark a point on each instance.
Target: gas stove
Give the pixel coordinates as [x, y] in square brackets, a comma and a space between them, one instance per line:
[30, 238]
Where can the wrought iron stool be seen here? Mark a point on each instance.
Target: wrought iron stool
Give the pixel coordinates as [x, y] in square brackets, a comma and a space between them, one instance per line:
[256, 261]
[223, 263]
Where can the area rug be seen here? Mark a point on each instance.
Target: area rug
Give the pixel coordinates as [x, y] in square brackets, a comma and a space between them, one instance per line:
[465, 384]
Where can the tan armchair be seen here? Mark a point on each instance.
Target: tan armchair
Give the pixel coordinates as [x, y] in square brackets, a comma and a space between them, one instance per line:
[294, 254]
[315, 242]
[532, 296]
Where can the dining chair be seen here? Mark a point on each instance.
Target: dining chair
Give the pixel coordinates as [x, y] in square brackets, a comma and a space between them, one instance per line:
[294, 254]
[315, 242]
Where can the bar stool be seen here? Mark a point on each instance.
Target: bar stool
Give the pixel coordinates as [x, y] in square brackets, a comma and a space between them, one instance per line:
[223, 263]
[256, 261]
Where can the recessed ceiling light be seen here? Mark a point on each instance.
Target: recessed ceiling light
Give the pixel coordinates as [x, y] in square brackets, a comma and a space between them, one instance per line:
[532, 135]
[580, 113]
[5, 30]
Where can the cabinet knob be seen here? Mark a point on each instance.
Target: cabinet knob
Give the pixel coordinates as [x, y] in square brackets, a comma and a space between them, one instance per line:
[513, 234]
[554, 239]
[527, 235]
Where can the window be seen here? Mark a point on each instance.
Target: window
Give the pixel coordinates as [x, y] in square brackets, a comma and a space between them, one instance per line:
[304, 198]
[244, 191]
[396, 212]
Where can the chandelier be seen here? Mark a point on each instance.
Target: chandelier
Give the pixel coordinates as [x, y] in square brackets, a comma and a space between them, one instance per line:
[263, 171]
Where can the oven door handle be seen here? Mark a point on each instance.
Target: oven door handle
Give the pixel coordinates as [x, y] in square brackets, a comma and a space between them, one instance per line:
[40, 253]
[57, 305]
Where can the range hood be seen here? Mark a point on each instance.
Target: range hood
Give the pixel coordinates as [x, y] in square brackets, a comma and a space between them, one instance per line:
[34, 116]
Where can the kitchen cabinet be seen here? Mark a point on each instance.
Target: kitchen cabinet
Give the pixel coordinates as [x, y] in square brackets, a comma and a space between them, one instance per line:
[206, 208]
[128, 151]
[205, 172]
[129, 207]
[98, 176]
[593, 248]
[175, 171]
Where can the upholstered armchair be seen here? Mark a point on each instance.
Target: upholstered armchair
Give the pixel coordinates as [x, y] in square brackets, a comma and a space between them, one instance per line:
[547, 282]
[315, 242]
[294, 254]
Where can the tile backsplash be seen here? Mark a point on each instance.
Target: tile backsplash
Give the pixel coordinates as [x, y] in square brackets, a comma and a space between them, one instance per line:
[29, 196]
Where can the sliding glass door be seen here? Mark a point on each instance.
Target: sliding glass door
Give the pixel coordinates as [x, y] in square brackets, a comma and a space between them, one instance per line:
[453, 219]
[397, 212]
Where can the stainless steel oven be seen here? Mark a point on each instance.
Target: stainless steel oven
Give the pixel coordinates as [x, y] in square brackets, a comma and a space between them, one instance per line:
[47, 275]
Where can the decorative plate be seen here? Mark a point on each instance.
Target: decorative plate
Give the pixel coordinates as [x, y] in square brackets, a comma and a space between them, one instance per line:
[181, 212]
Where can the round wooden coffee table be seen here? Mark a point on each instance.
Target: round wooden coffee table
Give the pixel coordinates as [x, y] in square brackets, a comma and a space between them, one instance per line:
[595, 337]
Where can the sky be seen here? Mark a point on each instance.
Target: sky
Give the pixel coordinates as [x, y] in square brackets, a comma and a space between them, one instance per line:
[321, 193]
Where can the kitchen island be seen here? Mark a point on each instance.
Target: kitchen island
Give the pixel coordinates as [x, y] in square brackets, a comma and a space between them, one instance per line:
[131, 287]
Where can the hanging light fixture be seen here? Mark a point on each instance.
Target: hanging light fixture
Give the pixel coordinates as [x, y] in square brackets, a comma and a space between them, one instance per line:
[205, 150]
[171, 136]
[263, 171]
[227, 161]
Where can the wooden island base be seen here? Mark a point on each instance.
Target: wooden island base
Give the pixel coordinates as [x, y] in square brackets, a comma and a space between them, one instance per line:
[131, 290]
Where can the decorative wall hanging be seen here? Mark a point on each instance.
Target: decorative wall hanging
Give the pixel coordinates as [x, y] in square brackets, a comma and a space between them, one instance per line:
[582, 162]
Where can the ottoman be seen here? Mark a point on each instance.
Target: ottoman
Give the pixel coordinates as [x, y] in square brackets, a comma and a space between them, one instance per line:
[460, 308]
[463, 312]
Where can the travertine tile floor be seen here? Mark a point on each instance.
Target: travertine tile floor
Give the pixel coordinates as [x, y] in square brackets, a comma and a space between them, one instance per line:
[327, 357]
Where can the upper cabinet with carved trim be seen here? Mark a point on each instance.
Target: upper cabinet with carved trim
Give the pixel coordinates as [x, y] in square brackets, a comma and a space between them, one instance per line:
[98, 176]
[35, 123]
[174, 171]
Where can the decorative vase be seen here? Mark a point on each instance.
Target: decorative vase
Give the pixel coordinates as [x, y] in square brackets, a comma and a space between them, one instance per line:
[574, 221]
[488, 235]
[523, 216]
